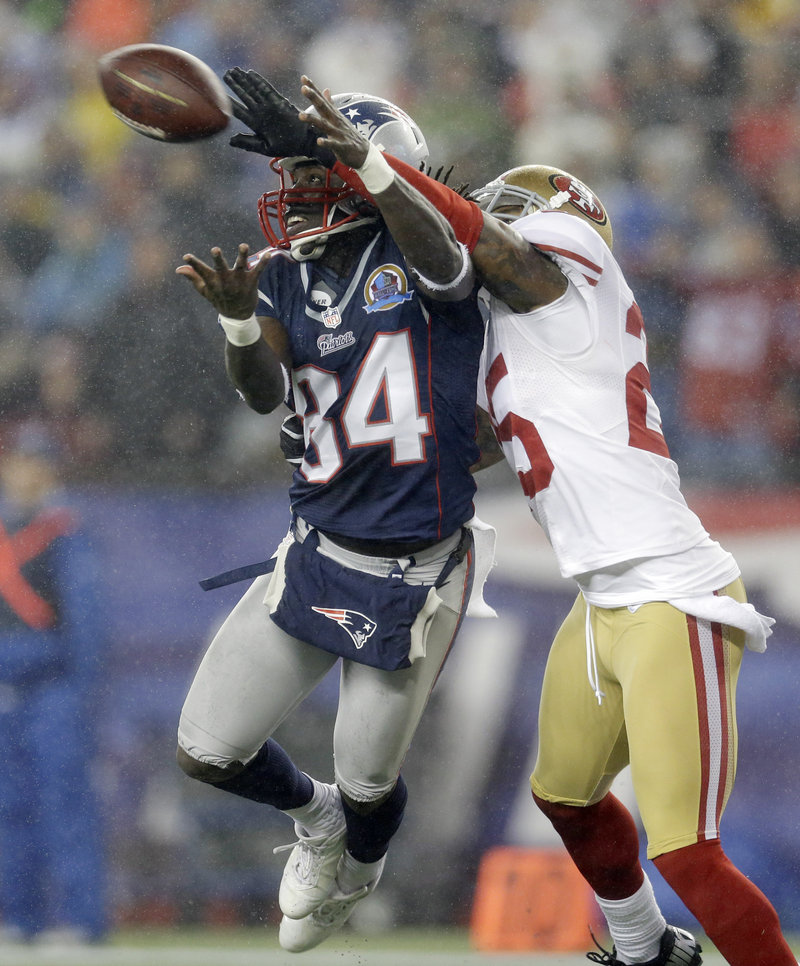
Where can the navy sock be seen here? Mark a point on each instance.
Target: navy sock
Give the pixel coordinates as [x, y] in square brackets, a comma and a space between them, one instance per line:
[271, 778]
[368, 836]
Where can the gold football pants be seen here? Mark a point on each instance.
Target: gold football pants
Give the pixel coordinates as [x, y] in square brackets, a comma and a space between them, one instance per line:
[668, 709]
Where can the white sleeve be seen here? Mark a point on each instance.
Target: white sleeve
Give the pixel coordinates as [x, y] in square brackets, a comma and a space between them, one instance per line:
[572, 243]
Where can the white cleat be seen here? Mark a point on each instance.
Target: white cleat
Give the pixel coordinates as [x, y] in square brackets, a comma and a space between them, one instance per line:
[310, 873]
[298, 935]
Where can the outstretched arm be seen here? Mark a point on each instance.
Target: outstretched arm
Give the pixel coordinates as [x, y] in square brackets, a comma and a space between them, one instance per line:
[423, 234]
[278, 131]
[464, 215]
[513, 270]
[256, 350]
[507, 265]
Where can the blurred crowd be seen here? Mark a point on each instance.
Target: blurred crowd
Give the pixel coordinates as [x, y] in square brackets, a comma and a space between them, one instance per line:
[683, 116]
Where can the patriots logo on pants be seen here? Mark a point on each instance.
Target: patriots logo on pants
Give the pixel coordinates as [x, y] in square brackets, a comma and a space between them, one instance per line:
[358, 626]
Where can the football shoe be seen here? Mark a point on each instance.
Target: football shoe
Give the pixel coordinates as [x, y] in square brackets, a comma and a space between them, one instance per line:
[678, 948]
[310, 872]
[298, 935]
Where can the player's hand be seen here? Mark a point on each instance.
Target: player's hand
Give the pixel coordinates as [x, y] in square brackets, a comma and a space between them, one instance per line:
[293, 445]
[277, 129]
[231, 289]
[338, 134]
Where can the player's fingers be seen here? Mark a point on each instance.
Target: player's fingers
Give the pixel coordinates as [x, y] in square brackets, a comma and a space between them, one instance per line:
[335, 127]
[242, 254]
[233, 75]
[250, 91]
[331, 143]
[263, 259]
[313, 93]
[188, 272]
[195, 265]
[320, 123]
[220, 264]
[233, 78]
[240, 112]
[249, 142]
[305, 81]
[265, 88]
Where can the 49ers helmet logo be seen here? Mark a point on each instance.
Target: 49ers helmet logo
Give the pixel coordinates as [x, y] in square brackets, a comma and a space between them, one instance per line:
[580, 196]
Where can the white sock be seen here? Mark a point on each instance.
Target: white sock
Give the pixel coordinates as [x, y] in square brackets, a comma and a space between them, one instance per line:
[353, 875]
[635, 924]
[320, 815]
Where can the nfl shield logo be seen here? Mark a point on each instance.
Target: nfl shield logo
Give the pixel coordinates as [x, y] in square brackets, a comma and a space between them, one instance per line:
[331, 318]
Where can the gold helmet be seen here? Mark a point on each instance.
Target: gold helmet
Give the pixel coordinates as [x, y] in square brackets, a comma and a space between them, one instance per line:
[535, 187]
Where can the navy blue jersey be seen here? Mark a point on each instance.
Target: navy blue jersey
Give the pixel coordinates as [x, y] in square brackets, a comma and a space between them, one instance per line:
[386, 383]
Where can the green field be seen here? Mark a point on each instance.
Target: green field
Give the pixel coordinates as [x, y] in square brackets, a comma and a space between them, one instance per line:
[259, 947]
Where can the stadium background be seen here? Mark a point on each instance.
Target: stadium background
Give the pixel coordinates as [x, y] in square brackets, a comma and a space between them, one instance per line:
[683, 115]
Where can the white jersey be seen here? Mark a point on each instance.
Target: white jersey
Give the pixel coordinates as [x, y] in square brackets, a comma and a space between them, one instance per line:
[568, 390]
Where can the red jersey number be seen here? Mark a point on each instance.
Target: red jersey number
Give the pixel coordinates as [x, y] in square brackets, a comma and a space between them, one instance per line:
[637, 399]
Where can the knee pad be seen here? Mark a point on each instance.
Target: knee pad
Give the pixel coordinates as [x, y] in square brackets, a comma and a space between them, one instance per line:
[364, 794]
[362, 807]
[206, 771]
[198, 749]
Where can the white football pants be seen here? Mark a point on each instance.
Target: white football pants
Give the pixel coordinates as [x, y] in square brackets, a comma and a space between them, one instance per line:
[254, 675]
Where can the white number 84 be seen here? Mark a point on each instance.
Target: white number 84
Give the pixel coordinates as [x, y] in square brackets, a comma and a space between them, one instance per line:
[387, 384]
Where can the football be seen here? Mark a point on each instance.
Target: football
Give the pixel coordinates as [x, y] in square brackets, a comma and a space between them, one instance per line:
[164, 93]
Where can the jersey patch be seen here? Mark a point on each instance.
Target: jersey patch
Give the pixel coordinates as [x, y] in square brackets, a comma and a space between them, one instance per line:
[328, 342]
[386, 288]
[331, 318]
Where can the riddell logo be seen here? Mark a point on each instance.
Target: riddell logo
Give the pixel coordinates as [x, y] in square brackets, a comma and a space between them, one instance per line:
[580, 197]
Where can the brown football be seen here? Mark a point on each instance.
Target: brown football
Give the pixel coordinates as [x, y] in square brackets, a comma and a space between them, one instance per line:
[164, 93]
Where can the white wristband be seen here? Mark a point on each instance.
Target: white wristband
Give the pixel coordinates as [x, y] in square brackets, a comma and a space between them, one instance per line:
[375, 172]
[241, 332]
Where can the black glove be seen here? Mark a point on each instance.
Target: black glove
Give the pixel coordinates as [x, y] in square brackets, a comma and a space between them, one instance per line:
[293, 445]
[277, 131]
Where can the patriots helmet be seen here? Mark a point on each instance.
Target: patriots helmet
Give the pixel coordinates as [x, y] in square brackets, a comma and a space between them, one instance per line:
[539, 187]
[383, 124]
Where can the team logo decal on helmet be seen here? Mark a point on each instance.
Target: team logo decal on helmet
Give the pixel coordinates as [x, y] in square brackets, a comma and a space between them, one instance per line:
[358, 626]
[580, 196]
[530, 188]
[365, 125]
[386, 288]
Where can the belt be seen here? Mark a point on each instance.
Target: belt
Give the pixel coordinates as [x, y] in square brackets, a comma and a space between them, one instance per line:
[377, 548]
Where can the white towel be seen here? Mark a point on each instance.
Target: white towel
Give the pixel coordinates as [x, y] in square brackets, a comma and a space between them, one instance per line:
[484, 537]
[725, 610]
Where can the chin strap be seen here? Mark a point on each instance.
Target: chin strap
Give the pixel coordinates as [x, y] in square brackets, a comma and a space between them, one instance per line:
[320, 241]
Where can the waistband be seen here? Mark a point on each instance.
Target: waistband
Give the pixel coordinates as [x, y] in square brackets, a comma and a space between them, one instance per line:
[378, 548]
[379, 564]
